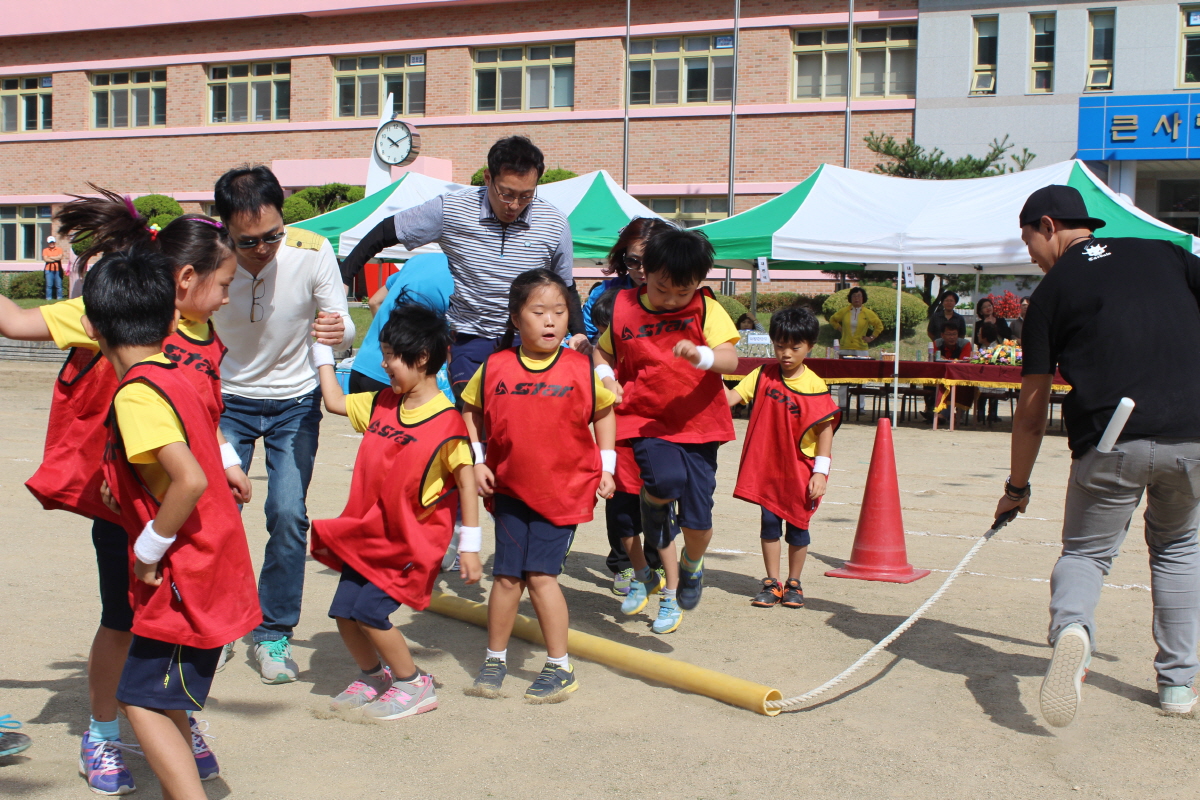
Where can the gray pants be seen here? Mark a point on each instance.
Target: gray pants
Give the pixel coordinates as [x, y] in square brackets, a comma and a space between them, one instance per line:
[1102, 493]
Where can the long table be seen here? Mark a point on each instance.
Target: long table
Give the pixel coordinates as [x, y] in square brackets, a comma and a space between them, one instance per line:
[946, 375]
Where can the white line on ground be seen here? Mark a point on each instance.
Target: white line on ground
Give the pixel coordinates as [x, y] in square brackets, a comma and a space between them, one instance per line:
[1137, 586]
[958, 536]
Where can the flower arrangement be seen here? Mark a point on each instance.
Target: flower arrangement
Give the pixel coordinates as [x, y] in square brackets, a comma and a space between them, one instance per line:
[1008, 305]
[1007, 354]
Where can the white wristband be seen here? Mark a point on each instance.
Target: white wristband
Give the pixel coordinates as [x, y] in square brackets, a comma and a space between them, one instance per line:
[706, 357]
[229, 456]
[322, 355]
[608, 461]
[821, 465]
[605, 371]
[470, 540]
[150, 547]
[480, 452]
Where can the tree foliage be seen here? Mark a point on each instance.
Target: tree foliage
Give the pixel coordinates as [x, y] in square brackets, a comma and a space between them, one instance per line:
[911, 160]
[157, 205]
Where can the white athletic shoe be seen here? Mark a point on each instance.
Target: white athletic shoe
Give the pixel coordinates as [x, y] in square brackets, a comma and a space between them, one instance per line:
[1062, 688]
[275, 661]
[226, 654]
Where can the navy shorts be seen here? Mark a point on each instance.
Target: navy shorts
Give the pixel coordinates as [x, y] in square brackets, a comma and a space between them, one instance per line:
[772, 529]
[623, 516]
[526, 541]
[683, 472]
[358, 599]
[165, 676]
[112, 560]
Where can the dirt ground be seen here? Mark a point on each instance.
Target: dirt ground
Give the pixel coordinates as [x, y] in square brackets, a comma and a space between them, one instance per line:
[949, 711]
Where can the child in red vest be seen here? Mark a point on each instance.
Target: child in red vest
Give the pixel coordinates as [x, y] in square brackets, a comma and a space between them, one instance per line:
[389, 544]
[202, 263]
[193, 588]
[785, 456]
[541, 470]
[670, 342]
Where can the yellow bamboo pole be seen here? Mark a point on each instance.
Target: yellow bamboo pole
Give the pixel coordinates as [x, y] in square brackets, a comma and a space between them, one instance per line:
[652, 666]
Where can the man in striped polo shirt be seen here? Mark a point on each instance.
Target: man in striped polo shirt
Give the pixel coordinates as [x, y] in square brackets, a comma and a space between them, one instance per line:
[490, 235]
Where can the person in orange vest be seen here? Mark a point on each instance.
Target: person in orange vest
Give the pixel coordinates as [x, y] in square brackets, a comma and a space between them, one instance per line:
[53, 258]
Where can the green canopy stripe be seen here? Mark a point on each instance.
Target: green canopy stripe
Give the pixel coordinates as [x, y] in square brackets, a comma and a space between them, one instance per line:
[596, 221]
[333, 223]
[1119, 220]
[748, 235]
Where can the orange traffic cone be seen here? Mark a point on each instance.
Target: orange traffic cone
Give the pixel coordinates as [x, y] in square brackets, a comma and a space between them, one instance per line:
[879, 553]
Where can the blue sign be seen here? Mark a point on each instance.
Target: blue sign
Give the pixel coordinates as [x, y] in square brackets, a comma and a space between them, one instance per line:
[1139, 127]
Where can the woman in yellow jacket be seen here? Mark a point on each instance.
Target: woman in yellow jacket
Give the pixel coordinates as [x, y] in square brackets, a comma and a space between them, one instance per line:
[857, 325]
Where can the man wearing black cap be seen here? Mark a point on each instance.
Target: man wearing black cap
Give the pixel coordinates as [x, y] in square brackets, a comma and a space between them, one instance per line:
[1100, 316]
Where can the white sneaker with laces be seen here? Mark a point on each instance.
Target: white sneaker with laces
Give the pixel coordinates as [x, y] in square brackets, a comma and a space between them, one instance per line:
[275, 663]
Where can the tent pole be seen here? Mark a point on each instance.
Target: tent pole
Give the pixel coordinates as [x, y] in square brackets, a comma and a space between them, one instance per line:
[896, 355]
[737, 19]
[754, 292]
[625, 137]
[849, 80]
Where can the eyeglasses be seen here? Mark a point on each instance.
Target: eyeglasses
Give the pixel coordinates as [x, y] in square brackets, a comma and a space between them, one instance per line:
[248, 244]
[510, 199]
[633, 262]
[256, 310]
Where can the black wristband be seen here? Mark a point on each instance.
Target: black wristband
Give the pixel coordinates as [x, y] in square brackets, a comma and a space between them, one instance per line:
[1015, 493]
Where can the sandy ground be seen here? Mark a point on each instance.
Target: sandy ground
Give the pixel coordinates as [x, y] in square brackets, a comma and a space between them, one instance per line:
[949, 711]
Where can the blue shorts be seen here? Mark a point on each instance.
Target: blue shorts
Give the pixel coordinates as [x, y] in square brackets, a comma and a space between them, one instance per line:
[358, 599]
[112, 561]
[526, 541]
[772, 529]
[167, 677]
[683, 472]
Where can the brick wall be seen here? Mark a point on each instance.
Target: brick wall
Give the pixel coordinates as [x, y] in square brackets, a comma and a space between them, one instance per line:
[187, 96]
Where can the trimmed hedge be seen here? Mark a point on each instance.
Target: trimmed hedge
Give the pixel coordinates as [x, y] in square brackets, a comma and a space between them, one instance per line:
[732, 307]
[297, 208]
[153, 205]
[770, 302]
[882, 300]
[27, 285]
[549, 176]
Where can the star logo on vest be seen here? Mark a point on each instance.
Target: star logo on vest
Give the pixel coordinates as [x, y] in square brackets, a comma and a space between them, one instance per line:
[1094, 251]
[501, 388]
[626, 334]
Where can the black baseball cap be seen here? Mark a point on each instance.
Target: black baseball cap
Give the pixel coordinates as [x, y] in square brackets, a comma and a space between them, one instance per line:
[1058, 202]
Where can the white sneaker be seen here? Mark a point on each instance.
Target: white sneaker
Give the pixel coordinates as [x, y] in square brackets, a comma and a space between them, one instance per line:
[226, 654]
[1062, 688]
[1176, 699]
[275, 661]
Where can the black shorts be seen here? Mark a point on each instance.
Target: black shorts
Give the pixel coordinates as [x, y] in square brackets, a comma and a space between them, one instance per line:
[112, 560]
[772, 529]
[165, 676]
[358, 599]
[526, 541]
[683, 472]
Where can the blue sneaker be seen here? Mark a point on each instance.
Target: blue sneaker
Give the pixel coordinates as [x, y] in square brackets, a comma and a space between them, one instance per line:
[1176, 699]
[669, 615]
[691, 584]
[206, 762]
[11, 742]
[639, 594]
[102, 763]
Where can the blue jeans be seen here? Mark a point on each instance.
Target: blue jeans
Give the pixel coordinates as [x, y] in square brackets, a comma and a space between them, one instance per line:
[289, 430]
[54, 289]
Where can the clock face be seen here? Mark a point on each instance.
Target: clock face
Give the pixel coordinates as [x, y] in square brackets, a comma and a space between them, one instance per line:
[396, 143]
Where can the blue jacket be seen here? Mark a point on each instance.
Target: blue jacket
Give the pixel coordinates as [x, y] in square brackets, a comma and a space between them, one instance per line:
[623, 282]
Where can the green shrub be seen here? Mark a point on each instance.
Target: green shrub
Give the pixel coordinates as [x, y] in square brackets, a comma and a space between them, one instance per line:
[549, 176]
[162, 220]
[770, 301]
[355, 194]
[153, 205]
[732, 307]
[27, 284]
[882, 300]
[80, 243]
[297, 208]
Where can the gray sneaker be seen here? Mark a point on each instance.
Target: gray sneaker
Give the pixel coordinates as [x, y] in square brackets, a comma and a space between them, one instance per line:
[1062, 688]
[490, 679]
[226, 655]
[404, 700]
[364, 690]
[275, 661]
[1176, 699]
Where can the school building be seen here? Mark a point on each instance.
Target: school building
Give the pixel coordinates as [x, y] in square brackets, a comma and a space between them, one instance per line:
[164, 96]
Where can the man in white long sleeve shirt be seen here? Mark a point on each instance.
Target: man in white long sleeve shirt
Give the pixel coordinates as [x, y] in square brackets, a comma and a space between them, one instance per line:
[287, 288]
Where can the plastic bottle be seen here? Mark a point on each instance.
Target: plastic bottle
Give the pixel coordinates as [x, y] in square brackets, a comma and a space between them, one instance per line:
[931, 352]
[836, 348]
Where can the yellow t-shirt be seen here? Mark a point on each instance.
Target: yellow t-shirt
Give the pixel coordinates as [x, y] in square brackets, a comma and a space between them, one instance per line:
[452, 455]
[63, 320]
[807, 382]
[718, 327]
[470, 395]
[147, 422]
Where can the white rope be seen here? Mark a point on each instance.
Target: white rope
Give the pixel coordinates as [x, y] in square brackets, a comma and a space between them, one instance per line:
[894, 635]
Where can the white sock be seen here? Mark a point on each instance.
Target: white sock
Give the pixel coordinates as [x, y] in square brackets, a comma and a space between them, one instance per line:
[500, 654]
[563, 662]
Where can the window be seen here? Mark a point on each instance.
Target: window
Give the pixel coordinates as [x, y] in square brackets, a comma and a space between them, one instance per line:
[987, 33]
[886, 62]
[1191, 47]
[1100, 53]
[136, 99]
[250, 92]
[1042, 65]
[525, 78]
[26, 104]
[23, 232]
[672, 71]
[364, 82]
[1179, 204]
[689, 211]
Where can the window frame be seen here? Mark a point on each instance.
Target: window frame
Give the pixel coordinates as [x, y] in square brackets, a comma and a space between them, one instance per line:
[553, 63]
[681, 56]
[888, 45]
[1098, 65]
[275, 78]
[979, 70]
[1036, 67]
[688, 219]
[105, 83]
[382, 73]
[1187, 32]
[25, 229]
[42, 94]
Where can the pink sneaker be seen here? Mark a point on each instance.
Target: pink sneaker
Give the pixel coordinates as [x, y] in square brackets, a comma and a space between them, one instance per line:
[404, 700]
[364, 690]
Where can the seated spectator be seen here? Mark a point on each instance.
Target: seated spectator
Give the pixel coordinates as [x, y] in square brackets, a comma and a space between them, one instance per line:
[942, 313]
[1018, 324]
[951, 346]
[985, 314]
[986, 335]
[748, 322]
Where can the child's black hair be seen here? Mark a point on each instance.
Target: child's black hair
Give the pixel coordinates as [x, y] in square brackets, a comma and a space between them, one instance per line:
[793, 325]
[602, 309]
[522, 286]
[988, 332]
[685, 256]
[413, 330]
[130, 298]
